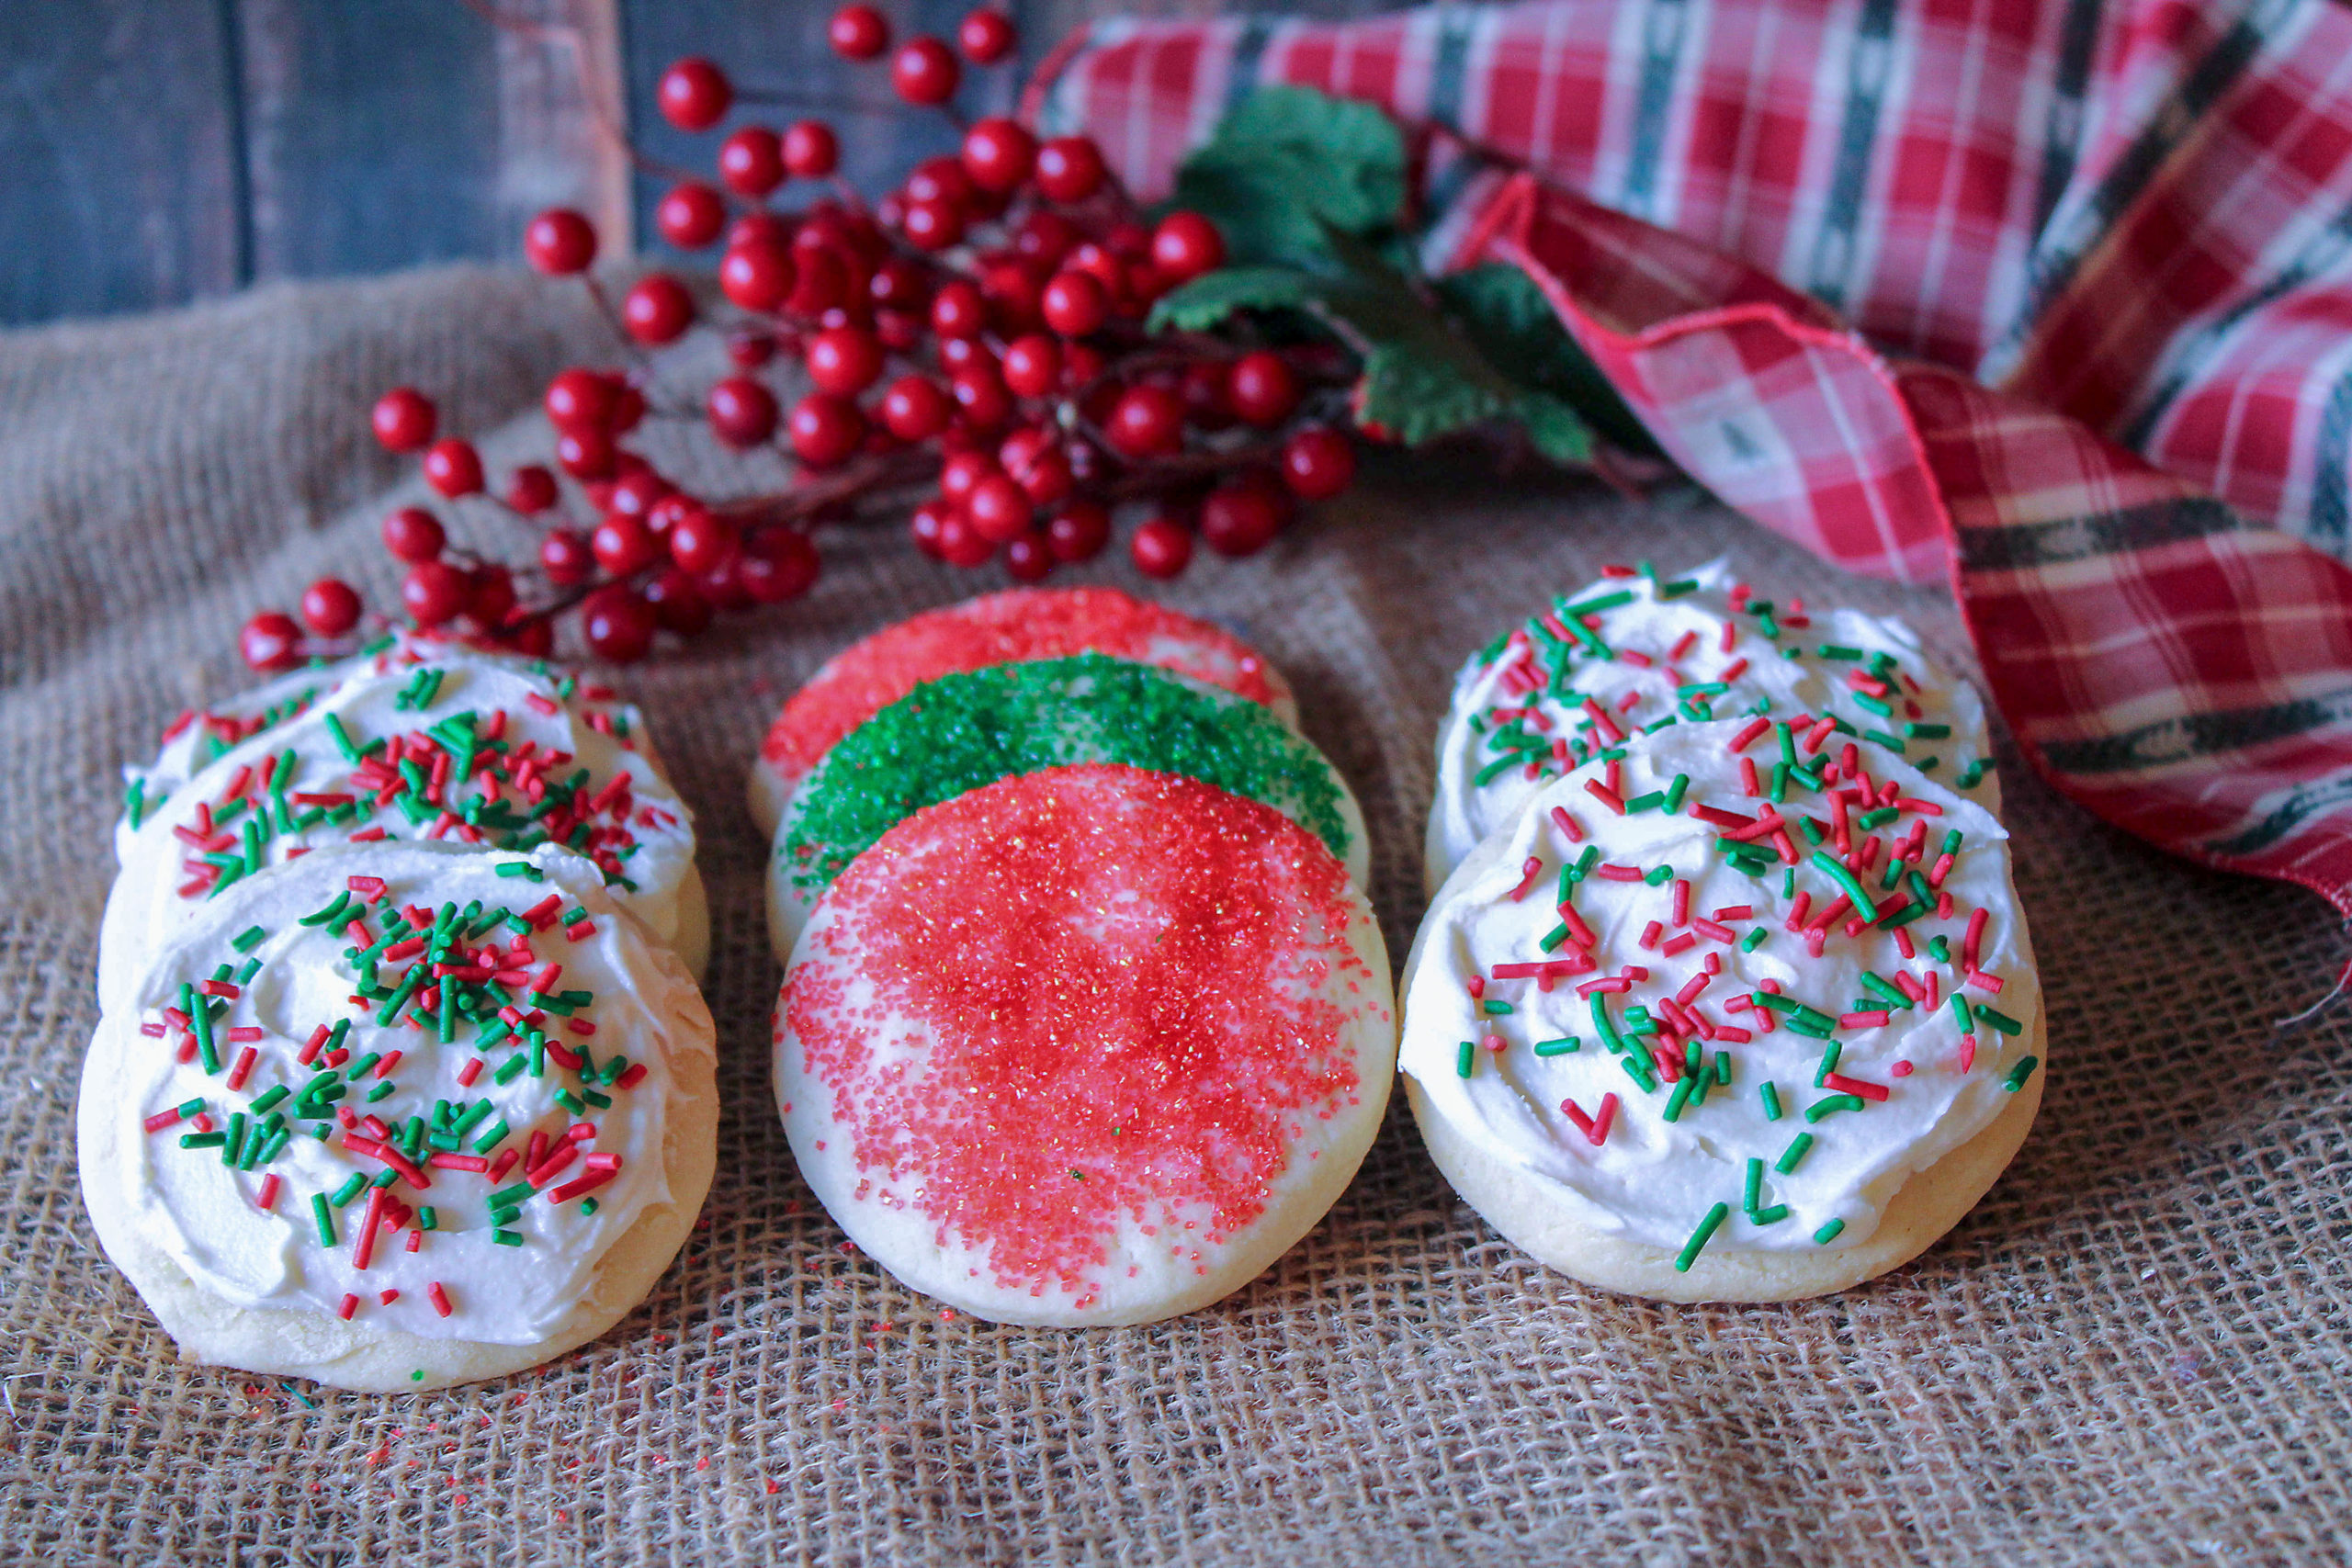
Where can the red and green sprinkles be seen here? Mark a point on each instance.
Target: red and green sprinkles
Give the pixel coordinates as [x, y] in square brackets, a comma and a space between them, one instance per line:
[1655, 1016]
[961, 731]
[471, 979]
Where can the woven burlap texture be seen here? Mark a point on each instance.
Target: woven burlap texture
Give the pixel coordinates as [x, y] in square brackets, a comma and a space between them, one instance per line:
[2135, 1350]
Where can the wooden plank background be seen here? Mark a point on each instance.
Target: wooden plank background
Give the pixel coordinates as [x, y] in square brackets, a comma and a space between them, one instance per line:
[161, 151]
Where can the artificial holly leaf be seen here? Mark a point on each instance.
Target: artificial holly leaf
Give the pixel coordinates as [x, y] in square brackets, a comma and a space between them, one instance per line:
[1514, 326]
[1289, 161]
[1211, 298]
[1554, 428]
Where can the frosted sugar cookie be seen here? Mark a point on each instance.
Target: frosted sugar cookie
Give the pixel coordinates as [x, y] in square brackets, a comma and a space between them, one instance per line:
[962, 730]
[400, 1116]
[1681, 1039]
[1632, 653]
[1091, 1046]
[199, 736]
[469, 753]
[997, 629]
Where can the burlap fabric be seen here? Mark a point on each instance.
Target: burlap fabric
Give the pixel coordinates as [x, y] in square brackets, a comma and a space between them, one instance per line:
[2135, 1351]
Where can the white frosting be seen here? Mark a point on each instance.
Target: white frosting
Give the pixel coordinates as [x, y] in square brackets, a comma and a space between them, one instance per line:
[199, 736]
[204, 1216]
[1643, 633]
[1653, 1181]
[148, 903]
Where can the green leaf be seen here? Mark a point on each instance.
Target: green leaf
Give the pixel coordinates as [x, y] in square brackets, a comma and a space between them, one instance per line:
[1514, 326]
[1287, 161]
[1555, 429]
[1211, 298]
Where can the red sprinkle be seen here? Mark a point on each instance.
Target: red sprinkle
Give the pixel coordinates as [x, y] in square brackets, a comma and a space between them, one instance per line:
[1528, 872]
[268, 1197]
[1862, 1086]
[1604, 795]
[439, 1298]
[244, 1066]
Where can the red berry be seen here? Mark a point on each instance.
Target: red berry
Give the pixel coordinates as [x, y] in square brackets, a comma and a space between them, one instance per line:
[580, 399]
[413, 535]
[694, 94]
[1206, 404]
[638, 492]
[404, 420]
[1263, 387]
[490, 596]
[1033, 366]
[271, 641]
[898, 285]
[962, 473]
[658, 309]
[531, 490]
[823, 283]
[858, 32]
[1028, 559]
[924, 72]
[826, 430]
[1081, 362]
[811, 150]
[751, 160]
[1035, 458]
[699, 540]
[623, 544]
[1147, 421]
[742, 412]
[1186, 245]
[1075, 303]
[1242, 518]
[932, 225]
[1046, 236]
[777, 564]
[1069, 168]
[757, 277]
[930, 518]
[960, 544]
[1161, 549]
[1319, 463]
[759, 228]
[588, 456]
[678, 603]
[618, 624]
[999, 153]
[453, 467]
[957, 311]
[560, 240]
[1078, 531]
[331, 606]
[533, 638]
[566, 556]
[987, 35]
[435, 591]
[844, 361]
[691, 216]
[982, 399]
[915, 408]
[1000, 509]
[964, 352]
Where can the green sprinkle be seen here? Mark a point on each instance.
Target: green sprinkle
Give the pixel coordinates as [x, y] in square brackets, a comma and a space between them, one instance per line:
[1560, 1047]
[1466, 1058]
[512, 1068]
[1834, 869]
[1771, 1216]
[1753, 939]
[507, 1238]
[203, 1140]
[1769, 1093]
[1885, 991]
[1568, 613]
[1684, 1087]
[1639, 1071]
[1873, 820]
[426, 1218]
[318, 1210]
[248, 939]
[1752, 1194]
[1960, 1011]
[491, 1139]
[1835, 1102]
[1793, 1153]
[232, 1147]
[348, 1190]
[1647, 802]
[1699, 1237]
[1602, 1025]
[342, 737]
[2015, 1080]
[380, 1091]
[1916, 731]
[1498, 1010]
[1999, 1020]
[1839, 650]
[521, 868]
[1828, 1233]
[1829, 1055]
[1967, 776]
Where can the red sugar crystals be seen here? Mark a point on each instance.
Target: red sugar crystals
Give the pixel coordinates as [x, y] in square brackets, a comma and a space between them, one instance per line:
[1078, 999]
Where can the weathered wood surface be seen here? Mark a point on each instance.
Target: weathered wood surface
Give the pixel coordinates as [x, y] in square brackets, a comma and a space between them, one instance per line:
[161, 151]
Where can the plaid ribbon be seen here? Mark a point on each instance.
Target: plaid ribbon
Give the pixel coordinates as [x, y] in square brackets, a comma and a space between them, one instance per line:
[1908, 288]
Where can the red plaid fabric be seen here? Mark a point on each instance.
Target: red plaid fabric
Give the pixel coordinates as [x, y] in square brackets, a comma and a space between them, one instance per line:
[1901, 283]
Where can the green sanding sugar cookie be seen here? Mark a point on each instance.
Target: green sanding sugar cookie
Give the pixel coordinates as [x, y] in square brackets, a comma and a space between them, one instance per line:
[964, 730]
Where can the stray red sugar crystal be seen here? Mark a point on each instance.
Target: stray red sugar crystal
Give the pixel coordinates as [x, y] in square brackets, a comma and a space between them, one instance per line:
[1123, 1011]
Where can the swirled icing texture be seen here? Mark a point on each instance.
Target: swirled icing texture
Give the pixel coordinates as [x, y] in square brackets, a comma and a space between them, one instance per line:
[1711, 650]
[1653, 1180]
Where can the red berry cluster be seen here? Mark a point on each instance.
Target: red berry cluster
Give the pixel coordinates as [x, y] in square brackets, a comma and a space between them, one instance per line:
[974, 341]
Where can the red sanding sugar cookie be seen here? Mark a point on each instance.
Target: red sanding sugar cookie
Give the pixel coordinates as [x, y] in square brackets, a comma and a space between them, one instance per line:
[997, 629]
[1090, 1045]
